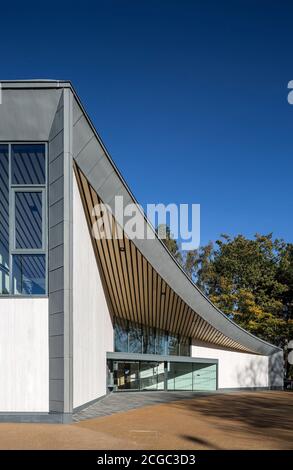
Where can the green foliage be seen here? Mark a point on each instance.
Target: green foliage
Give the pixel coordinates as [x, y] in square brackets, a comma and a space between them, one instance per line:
[251, 281]
[167, 238]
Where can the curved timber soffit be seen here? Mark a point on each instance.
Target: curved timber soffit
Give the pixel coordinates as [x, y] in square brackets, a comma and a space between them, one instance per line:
[92, 158]
[136, 292]
[112, 183]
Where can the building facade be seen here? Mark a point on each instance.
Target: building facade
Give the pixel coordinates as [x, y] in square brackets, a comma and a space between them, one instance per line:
[81, 315]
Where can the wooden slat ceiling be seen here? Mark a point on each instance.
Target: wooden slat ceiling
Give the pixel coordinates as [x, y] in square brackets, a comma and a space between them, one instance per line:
[136, 291]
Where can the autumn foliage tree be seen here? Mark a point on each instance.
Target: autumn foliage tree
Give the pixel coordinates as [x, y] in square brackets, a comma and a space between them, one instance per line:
[248, 280]
[251, 281]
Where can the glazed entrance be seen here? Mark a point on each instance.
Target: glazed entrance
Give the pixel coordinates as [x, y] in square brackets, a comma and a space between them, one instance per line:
[147, 375]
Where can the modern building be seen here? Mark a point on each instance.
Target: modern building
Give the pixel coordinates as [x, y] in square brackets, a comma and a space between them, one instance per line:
[79, 315]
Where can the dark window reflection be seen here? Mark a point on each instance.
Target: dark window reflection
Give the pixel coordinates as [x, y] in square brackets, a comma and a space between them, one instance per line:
[184, 346]
[29, 274]
[126, 375]
[179, 376]
[149, 344]
[121, 336]
[148, 375]
[28, 164]
[4, 220]
[28, 220]
[161, 340]
[173, 345]
[135, 338]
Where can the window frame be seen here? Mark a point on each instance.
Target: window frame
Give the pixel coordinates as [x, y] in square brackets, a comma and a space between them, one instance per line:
[13, 189]
[27, 189]
[125, 326]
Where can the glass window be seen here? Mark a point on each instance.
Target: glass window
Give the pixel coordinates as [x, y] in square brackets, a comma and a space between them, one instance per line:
[180, 376]
[149, 346]
[121, 336]
[134, 338]
[184, 346]
[161, 376]
[126, 375]
[173, 345]
[28, 220]
[4, 220]
[28, 164]
[204, 377]
[148, 375]
[23, 261]
[160, 342]
[29, 274]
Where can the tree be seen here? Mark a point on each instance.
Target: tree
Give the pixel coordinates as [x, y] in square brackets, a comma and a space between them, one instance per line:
[167, 238]
[249, 280]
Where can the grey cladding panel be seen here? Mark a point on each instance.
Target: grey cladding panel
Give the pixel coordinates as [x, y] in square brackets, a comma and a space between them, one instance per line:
[56, 389]
[56, 279]
[54, 405]
[27, 114]
[56, 299]
[56, 347]
[56, 168]
[77, 112]
[57, 368]
[107, 188]
[82, 134]
[57, 125]
[56, 145]
[90, 155]
[56, 237]
[56, 214]
[100, 173]
[56, 191]
[56, 262]
[56, 326]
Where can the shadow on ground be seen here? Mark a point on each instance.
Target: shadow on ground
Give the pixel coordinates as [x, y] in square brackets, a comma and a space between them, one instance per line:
[267, 413]
[199, 441]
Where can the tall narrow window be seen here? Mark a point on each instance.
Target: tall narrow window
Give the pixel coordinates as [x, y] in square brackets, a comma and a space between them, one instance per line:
[149, 345]
[121, 335]
[29, 274]
[23, 219]
[173, 345]
[28, 220]
[28, 164]
[135, 338]
[4, 220]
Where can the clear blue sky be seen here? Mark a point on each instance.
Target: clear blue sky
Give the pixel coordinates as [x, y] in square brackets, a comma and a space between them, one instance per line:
[188, 96]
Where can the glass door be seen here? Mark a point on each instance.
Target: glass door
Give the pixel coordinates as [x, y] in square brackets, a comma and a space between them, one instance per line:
[148, 375]
[126, 375]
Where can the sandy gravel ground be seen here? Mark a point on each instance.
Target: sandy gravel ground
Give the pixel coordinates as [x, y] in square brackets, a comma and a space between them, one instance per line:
[223, 421]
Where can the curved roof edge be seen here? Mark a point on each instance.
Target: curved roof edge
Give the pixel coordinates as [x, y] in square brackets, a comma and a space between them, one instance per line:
[157, 254]
[155, 250]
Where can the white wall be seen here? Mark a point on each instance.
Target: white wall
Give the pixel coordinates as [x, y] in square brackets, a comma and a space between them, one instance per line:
[92, 327]
[24, 357]
[235, 369]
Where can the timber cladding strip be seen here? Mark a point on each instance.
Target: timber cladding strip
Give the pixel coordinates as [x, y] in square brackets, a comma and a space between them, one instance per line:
[136, 291]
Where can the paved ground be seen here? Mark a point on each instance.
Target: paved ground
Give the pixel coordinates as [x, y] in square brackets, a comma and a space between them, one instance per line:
[239, 420]
[117, 402]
